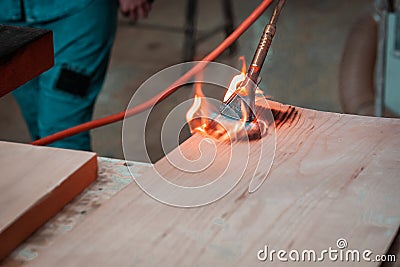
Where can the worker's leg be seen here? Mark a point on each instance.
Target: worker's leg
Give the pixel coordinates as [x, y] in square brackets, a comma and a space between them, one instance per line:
[27, 98]
[68, 91]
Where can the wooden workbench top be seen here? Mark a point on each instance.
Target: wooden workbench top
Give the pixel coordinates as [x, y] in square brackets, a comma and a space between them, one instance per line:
[335, 177]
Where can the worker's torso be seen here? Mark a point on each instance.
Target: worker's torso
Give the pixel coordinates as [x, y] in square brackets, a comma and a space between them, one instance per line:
[38, 10]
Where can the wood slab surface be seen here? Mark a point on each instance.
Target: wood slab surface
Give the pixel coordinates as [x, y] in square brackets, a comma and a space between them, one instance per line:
[334, 176]
[35, 183]
[24, 54]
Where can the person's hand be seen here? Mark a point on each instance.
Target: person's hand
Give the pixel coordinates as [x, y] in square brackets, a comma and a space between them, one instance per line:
[135, 9]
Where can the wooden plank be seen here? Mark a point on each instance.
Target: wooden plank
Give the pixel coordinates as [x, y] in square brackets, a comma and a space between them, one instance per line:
[24, 54]
[36, 182]
[334, 176]
[113, 176]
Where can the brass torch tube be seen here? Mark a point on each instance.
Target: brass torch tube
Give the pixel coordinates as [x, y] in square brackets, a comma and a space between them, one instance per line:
[259, 57]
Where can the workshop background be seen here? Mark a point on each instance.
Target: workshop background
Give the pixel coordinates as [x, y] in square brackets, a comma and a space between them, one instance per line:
[302, 67]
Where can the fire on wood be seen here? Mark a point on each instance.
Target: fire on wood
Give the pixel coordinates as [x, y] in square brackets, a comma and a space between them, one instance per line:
[204, 118]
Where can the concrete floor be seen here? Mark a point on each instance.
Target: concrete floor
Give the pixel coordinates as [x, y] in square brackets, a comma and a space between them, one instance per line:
[302, 68]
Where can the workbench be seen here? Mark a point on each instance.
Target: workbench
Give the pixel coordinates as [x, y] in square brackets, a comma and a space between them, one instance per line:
[333, 177]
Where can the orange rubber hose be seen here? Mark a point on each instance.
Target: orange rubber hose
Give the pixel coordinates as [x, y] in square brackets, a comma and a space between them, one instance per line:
[162, 95]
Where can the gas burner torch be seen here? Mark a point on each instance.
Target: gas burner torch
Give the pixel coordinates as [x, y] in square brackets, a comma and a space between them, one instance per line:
[242, 102]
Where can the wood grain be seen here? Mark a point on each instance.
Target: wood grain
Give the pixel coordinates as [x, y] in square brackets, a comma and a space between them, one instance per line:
[24, 54]
[334, 176]
[35, 183]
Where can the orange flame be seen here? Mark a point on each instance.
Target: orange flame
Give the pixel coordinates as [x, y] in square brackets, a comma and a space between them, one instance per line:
[198, 95]
[236, 80]
[197, 112]
[244, 68]
[201, 118]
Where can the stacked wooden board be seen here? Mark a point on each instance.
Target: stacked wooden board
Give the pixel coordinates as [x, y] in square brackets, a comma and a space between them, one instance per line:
[35, 183]
[24, 54]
